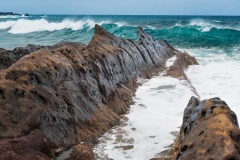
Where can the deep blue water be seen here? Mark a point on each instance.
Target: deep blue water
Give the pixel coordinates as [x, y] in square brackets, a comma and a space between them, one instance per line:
[188, 32]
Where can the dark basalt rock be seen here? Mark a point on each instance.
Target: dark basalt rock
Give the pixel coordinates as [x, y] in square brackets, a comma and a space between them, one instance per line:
[71, 92]
[209, 131]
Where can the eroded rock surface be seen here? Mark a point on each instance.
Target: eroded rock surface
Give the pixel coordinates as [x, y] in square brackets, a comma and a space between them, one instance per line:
[209, 131]
[181, 63]
[33, 146]
[74, 93]
[9, 57]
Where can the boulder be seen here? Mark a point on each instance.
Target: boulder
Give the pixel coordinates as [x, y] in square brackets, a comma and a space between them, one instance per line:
[209, 131]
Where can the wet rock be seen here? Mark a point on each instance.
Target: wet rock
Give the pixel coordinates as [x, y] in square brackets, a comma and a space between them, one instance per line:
[209, 131]
[33, 146]
[81, 152]
[181, 63]
[74, 93]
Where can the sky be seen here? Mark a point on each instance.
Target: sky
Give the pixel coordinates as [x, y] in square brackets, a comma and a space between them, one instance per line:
[123, 7]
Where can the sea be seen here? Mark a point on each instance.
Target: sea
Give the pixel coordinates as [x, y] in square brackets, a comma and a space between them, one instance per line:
[154, 119]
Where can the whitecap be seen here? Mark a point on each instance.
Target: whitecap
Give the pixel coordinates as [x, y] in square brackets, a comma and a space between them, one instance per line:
[205, 26]
[4, 17]
[150, 27]
[23, 26]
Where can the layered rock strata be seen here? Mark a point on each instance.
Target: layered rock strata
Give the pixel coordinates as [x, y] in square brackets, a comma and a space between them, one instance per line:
[210, 130]
[72, 93]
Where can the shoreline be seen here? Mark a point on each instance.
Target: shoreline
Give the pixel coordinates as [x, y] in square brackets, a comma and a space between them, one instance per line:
[90, 87]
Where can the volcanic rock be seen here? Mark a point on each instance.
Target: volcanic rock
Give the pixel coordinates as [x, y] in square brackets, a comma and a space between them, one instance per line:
[209, 131]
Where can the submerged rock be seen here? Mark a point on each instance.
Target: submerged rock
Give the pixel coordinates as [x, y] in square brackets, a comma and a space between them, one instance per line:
[209, 131]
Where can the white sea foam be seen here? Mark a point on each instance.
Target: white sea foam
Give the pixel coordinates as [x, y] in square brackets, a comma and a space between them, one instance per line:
[22, 26]
[160, 103]
[9, 17]
[120, 24]
[217, 76]
[206, 26]
[170, 61]
[217, 21]
[158, 110]
[150, 27]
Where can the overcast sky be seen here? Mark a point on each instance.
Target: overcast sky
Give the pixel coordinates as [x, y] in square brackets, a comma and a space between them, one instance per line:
[123, 7]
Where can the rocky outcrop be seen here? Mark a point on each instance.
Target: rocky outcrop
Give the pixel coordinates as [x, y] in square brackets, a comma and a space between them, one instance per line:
[9, 57]
[181, 63]
[209, 131]
[9, 14]
[74, 93]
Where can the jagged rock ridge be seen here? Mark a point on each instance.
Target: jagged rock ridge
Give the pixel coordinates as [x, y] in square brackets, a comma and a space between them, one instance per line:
[74, 93]
[210, 130]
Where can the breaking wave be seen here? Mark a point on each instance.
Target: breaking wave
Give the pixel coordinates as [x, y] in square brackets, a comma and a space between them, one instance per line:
[206, 26]
[23, 26]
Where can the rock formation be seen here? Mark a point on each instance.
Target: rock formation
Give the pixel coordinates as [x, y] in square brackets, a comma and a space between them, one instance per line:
[181, 63]
[72, 93]
[209, 131]
[9, 14]
[9, 57]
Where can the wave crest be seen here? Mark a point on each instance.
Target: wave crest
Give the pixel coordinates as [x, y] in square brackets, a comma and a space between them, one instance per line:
[206, 26]
[23, 26]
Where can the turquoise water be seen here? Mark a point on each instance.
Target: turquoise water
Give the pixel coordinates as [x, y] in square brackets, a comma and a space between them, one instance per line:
[218, 32]
[213, 40]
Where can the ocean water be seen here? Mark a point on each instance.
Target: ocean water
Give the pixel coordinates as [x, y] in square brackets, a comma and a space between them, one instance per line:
[159, 103]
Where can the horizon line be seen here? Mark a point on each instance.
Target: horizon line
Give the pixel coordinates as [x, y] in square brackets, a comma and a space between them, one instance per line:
[133, 14]
[125, 14]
